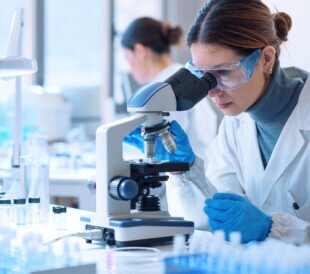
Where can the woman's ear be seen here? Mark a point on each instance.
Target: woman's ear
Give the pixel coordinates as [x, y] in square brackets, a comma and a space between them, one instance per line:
[268, 59]
[140, 51]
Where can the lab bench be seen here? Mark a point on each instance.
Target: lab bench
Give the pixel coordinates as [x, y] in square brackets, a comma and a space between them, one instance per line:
[68, 187]
[97, 253]
[214, 254]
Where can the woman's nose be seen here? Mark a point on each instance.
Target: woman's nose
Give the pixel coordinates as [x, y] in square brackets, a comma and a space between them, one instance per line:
[215, 92]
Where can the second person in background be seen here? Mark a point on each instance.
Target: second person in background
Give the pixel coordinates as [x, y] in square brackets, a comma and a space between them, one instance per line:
[147, 44]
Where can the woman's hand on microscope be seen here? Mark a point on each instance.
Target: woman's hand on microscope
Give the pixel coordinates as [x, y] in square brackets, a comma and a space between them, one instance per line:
[183, 153]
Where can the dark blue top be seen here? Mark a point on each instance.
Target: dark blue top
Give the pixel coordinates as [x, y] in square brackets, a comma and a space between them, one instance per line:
[275, 106]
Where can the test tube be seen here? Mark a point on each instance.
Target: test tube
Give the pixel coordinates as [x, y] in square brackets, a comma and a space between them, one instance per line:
[20, 211]
[60, 217]
[5, 211]
[34, 209]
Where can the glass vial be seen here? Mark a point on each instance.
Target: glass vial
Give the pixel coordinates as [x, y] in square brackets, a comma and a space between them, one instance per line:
[20, 211]
[60, 217]
[34, 208]
[35, 172]
[5, 211]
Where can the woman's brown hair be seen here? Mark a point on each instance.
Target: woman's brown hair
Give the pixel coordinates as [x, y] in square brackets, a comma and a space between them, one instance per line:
[242, 25]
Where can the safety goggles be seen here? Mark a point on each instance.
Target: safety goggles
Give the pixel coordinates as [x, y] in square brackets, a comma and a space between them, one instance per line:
[229, 76]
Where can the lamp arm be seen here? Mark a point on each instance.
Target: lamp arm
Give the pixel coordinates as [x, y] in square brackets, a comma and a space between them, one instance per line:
[15, 49]
[15, 34]
[17, 125]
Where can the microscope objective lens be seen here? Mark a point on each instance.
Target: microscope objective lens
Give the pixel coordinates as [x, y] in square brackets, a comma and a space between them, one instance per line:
[168, 141]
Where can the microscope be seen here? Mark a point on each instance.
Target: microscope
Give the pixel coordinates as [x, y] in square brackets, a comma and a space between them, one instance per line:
[125, 211]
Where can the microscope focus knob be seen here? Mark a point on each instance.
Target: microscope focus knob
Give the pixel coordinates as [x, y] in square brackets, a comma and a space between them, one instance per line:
[123, 188]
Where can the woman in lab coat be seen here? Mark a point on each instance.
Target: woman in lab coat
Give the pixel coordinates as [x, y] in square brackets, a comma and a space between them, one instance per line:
[146, 44]
[258, 176]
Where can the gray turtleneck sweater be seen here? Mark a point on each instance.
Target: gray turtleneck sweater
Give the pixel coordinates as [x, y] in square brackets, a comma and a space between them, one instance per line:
[275, 106]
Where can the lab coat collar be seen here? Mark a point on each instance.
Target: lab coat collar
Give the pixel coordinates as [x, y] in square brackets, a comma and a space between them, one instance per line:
[302, 108]
[291, 141]
[302, 111]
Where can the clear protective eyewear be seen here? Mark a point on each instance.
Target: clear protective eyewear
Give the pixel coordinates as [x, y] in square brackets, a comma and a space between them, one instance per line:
[229, 76]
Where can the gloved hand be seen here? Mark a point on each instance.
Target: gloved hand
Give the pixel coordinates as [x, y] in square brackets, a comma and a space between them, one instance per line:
[183, 153]
[230, 212]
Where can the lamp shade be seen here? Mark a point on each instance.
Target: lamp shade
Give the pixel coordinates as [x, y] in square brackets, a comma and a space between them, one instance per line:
[16, 66]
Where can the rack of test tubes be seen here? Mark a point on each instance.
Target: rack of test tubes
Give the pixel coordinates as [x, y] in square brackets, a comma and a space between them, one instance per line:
[214, 255]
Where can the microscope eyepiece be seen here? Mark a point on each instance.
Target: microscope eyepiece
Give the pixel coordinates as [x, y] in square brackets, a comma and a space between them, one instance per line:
[189, 89]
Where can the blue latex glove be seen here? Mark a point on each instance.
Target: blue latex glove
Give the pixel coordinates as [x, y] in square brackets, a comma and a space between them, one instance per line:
[183, 153]
[230, 212]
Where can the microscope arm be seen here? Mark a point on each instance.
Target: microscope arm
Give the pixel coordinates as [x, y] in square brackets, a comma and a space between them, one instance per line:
[110, 163]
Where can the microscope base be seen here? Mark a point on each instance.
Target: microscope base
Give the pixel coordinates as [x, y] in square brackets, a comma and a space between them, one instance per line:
[142, 232]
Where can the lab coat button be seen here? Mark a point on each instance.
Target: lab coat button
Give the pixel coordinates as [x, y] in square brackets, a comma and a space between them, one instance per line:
[295, 206]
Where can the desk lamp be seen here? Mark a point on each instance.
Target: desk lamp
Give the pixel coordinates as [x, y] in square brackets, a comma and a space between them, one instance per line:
[14, 65]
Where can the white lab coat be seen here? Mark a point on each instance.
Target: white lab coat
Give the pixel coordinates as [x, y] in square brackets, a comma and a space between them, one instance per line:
[200, 123]
[236, 166]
